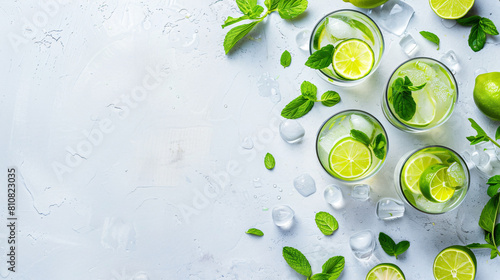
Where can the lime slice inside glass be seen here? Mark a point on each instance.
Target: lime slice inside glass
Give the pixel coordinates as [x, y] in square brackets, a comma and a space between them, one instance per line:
[353, 59]
[385, 271]
[455, 262]
[414, 169]
[455, 175]
[434, 184]
[451, 9]
[350, 158]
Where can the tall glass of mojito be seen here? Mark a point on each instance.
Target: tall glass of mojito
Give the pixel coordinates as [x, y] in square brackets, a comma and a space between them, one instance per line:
[352, 145]
[420, 95]
[353, 43]
[434, 179]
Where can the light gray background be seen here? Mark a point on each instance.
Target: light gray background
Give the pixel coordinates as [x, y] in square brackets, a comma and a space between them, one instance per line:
[165, 190]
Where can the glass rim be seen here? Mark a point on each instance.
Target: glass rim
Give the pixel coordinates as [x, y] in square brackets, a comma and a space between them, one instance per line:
[311, 39]
[386, 100]
[411, 153]
[352, 111]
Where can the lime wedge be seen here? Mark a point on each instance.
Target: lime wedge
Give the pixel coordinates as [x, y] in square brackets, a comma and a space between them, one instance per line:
[456, 175]
[353, 59]
[426, 109]
[455, 262]
[451, 9]
[350, 159]
[414, 169]
[434, 184]
[319, 35]
[385, 271]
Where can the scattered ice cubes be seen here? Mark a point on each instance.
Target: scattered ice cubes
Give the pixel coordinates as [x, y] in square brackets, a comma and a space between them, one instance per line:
[479, 71]
[448, 23]
[269, 87]
[283, 215]
[257, 183]
[333, 196]
[408, 45]
[361, 123]
[305, 185]
[247, 143]
[390, 209]
[291, 131]
[393, 16]
[361, 192]
[362, 244]
[302, 39]
[451, 60]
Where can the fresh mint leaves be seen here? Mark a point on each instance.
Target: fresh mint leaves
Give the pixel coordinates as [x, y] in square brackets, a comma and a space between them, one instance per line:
[326, 223]
[493, 186]
[286, 59]
[321, 58]
[305, 102]
[269, 161]
[481, 135]
[360, 136]
[390, 247]
[254, 231]
[481, 26]
[378, 144]
[431, 37]
[402, 100]
[331, 269]
[288, 9]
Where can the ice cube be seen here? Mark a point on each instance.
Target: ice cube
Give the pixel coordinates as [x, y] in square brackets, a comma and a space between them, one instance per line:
[450, 59]
[448, 23]
[257, 183]
[247, 143]
[479, 71]
[362, 244]
[269, 87]
[393, 16]
[291, 131]
[283, 215]
[340, 30]
[333, 196]
[305, 185]
[302, 39]
[389, 209]
[361, 123]
[408, 45]
[361, 192]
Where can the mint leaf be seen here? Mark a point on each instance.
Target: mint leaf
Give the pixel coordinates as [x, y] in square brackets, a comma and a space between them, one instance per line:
[272, 4]
[417, 88]
[477, 38]
[494, 180]
[320, 276]
[297, 108]
[289, 9]
[431, 37]
[256, 12]
[379, 146]
[246, 6]
[488, 26]
[297, 261]
[321, 58]
[309, 90]
[404, 105]
[390, 247]
[286, 59]
[254, 231]
[326, 223]
[479, 246]
[236, 34]
[231, 20]
[476, 140]
[469, 21]
[493, 189]
[330, 98]
[401, 247]
[334, 267]
[479, 130]
[360, 136]
[487, 220]
[497, 134]
[269, 161]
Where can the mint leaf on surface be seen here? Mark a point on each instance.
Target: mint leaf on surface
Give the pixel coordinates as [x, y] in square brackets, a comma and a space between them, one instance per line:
[320, 276]
[477, 38]
[431, 37]
[246, 6]
[360, 136]
[271, 4]
[286, 59]
[231, 20]
[289, 9]
[269, 161]
[330, 98]
[480, 131]
[326, 223]
[334, 267]
[469, 21]
[321, 58]
[236, 34]
[254, 231]
[487, 220]
[309, 90]
[390, 247]
[493, 185]
[297, 261]
[488, 26]
[297, 108]
[479, 246]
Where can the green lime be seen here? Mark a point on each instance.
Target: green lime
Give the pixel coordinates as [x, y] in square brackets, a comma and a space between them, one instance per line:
[366, 4]
[434, 184]
[353, 59]
[385, 271]
[455, 263]
[414, 169]
[487, 94]
[451, 9]
[350, 158]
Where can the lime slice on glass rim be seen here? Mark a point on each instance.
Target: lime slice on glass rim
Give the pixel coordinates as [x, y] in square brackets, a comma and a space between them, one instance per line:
[434, 184]
[451, 9]
[349, 158]
[455, 262]
[353, 59]
[385, 271]
[415, 167]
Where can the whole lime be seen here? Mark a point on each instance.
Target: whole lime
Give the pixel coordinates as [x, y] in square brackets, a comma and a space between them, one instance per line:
[366, 4]
[487, 94]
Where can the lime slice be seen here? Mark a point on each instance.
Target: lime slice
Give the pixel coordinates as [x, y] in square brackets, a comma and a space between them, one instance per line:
[350, 159]
[414, 169]
[451, 9]
[456, 263]
[455, 175]
[434, 184]
[385, 271]
[426, 109]
[353, 59]
[319, 35]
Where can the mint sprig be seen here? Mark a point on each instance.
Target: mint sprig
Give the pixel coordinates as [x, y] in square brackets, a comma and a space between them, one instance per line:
[301, 105]
[286, 59]
[331, 269]
[321, 58]
[269, 161]
[402, 100]
[254, 231]
[390, 247]
[481, 26]
[493, 185]
[326, 223]
[431, 37]
[287, 9]
[378, 144]
[481, 135]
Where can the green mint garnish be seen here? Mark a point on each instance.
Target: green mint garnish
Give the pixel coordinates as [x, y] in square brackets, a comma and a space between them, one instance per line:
[334, 267]
[254, 231]
[481, 135]
[297, 261]
[390, 247]
[360, 136]
[493, 185]
[330, 98]
[305, 102]
[326, 223]
[480, 27]
[321, 58]
[379, 146]
[431, 37]
[403, 102]
[269, 161]
[488, 222]
[288, 9]
[286, 59]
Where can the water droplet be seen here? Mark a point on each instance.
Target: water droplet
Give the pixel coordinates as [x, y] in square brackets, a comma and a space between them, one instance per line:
[225, 105]
[279, 197]
[257, 183]
[254, 196]
[247, 143]
[274, 186]
[280, 190]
